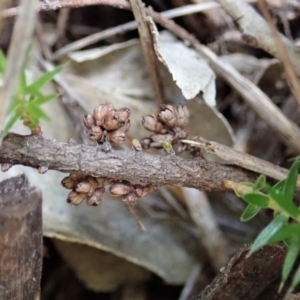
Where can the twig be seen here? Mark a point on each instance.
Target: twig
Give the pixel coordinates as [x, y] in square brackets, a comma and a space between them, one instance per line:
[256, 31]
[211, 237]
[21, 39]
[243, 160]
[150, 57]
[35, 151]
[96, 37]
[282, 52]
[57, 4]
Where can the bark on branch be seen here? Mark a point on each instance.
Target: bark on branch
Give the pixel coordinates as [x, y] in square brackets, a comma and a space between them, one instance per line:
[35, 151]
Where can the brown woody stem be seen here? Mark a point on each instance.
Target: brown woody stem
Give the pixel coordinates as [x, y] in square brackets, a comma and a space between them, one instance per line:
[35, 151]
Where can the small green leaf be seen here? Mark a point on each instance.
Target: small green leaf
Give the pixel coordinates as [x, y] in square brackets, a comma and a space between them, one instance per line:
[268, 232]
[43, 99]
[259, 183]
[296, 279]
[260, 200]
[291, 181]
[36, 86]
[286, 233]
[284, 203]
[14, 118]
[2, 62]
[290, 258]
[23, 82]
[15, 103]
[250, 212]
[36, 111]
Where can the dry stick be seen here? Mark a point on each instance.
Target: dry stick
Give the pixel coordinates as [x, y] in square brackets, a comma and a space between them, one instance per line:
[21, 39]
[282, 52]
[96, 37]
[57, 4]
[243, 160]
[211, 237]
[35, 151]
[256, 31]
[146, 39]
[21, 243]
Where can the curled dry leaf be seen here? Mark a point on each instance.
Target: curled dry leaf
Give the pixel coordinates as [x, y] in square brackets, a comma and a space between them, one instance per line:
[190, 71]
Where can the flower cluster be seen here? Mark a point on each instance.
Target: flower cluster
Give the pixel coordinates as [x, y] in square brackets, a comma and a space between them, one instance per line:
[85, 188]
[92, 190]
[130, 193]
[108, 124]
[169, 125]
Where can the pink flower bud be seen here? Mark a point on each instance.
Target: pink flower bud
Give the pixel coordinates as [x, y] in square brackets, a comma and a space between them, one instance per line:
[88, 121]
[121, 188]
[75, 198]
[96, 198]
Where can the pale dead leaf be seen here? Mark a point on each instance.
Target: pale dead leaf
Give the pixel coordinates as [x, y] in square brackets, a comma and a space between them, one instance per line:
[190, 71]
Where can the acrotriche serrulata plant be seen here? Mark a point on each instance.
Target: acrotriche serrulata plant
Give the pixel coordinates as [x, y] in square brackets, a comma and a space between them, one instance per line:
[107, 125]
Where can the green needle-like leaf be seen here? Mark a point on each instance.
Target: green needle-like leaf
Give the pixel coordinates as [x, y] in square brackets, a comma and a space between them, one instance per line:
[36, 111]
[291, 181]
[250, 212]
[284, 203]
[286, 233]
[290, 258]
[2, 62]
[43, 99]
[14, 118]
[39, 83]
[259, 183]
[295, 280]
[268, 232]
[260, 200]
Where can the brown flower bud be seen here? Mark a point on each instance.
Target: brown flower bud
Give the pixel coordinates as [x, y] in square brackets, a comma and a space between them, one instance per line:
[101, 112]
[151, 123]
[69, 183]
[142, 191]
[123, 115]
[102, 181]
[110, 122]
[146, 143]
[167, 115]
[96, 198]
[88, 121]
[75, 198]
[84, 187]
[121, 188]
[5, 167]
[131, 198]
[77, 176]
[94, 184]
[95, 134]
[125, 126]
[43, 169]
[183, 114]
[138, 189]
[117, 137]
